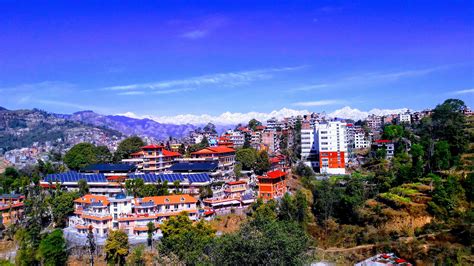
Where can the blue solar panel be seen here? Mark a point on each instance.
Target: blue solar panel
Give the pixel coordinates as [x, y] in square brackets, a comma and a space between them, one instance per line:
[75, 177]
[199, 178]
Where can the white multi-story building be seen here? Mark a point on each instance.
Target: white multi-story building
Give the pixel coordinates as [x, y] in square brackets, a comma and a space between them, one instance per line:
[236, 137]
[361, 139]
[102, 213]
[404, 118]
[324, 146]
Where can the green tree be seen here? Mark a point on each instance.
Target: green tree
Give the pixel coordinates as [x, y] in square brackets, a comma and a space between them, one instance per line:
[441, 156]
[238, 170]
[83, 187]
[127, 147]
[448, 124]
[263, 163]
[52, 249]
[303, 170]
[254, 123]
[393, 132]
[417, 153]
[247, 157]
[204, 143]
[263, 242]
[210, 128]
[103, 154]
[80, 156]
[116, 247]
[381, 153]
[91, 245]
[150, 230]
[163, 190]
[182, 149]
[62, 206]
[134, 186]
[136, 257]
[297, 141]
[184, 238]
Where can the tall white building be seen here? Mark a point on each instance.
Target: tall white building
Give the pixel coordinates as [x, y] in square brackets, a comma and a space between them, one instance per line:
[324, 146]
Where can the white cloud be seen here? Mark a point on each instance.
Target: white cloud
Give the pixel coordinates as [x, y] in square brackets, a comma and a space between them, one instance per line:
[371, 78]
[194, 34]
[319, 103]
[229, 79]
[356, 114]
[467, 91]
[131, 93]
[204, 28]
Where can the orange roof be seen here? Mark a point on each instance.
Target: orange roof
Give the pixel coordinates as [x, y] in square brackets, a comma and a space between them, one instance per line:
[153, 146]
[215, 150]
[260, 127]
[171, 199]
[274, 174]
[97, 218]
[89, 198]
[237, 183]
[170, 153]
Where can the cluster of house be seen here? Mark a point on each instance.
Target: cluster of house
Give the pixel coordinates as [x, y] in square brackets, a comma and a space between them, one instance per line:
[108, 208]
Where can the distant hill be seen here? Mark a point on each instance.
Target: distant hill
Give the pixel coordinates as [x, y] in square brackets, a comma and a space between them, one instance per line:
[22, 128]
[132, 126]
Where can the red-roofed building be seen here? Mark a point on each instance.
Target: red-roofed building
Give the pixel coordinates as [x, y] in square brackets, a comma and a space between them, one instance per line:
[153, 158]
[272, 185]
[225, 155]
[386, 144]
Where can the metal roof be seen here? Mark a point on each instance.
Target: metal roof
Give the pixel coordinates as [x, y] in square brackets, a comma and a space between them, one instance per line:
[194, 167]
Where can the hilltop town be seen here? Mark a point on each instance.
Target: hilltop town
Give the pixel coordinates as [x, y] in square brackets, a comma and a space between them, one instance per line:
[347, 190]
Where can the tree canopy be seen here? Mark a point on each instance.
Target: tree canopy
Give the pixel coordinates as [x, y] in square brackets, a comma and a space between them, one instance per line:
[127, 147]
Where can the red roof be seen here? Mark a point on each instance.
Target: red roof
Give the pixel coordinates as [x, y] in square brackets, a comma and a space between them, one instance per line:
[383, 141]
[275, 160]
[171, 153]
[260, 127]
[153, 146]
[274, 174]
[214, 150]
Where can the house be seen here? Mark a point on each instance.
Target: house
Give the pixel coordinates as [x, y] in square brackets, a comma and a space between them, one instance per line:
[225, 156]
[11, 208]
[236, 195]
[153, 158]
[102, 213]
[272, 185]
[386, 144]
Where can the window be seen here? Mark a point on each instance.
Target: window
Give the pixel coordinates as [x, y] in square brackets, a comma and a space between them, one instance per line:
[115, 204]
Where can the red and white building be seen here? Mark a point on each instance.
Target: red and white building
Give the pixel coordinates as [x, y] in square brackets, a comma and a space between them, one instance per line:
[153, 158]
[324, 146]
[129, 214]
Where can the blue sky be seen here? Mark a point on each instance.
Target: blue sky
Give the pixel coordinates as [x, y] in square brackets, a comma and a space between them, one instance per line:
[169, 58]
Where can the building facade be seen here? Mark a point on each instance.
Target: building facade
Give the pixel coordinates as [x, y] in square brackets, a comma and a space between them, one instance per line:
[103, 214]
[272, 185]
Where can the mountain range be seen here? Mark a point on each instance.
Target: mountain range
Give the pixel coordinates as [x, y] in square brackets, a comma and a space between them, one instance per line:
[131, 126]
